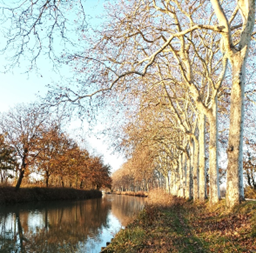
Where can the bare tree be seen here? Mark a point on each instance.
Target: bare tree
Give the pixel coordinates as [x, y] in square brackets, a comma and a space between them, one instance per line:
[33, 29]
[174, 31]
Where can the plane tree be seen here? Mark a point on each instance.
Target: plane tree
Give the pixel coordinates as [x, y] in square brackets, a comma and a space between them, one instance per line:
[157, 133]
[173, 29]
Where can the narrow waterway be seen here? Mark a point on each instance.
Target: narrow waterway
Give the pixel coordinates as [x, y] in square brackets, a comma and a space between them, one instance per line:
[78, 226]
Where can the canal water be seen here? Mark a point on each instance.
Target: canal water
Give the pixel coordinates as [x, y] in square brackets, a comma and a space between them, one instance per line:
[75, 226]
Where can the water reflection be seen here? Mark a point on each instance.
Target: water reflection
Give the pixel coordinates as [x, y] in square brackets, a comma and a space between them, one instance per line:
[80, 226]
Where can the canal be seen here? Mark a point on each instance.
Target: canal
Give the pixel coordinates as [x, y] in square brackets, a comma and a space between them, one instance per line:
[75, 226]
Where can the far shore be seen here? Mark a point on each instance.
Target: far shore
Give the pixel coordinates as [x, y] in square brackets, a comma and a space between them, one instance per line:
[131, 193]
[8, 195]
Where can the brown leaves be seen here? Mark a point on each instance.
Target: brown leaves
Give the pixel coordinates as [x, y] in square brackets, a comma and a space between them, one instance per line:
[228, 231]
[193, 228]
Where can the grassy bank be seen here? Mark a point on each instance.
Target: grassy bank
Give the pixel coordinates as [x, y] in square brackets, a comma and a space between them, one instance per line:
[169, 224]
[8, 195]
[130, 193]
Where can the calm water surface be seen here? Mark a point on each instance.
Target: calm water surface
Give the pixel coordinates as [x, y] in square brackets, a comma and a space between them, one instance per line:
[78, 226]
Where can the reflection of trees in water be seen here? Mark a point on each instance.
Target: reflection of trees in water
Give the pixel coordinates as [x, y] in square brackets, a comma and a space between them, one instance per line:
[11, 237]
[61, 226]
[64, 226]
[125, 207]
[7, 242]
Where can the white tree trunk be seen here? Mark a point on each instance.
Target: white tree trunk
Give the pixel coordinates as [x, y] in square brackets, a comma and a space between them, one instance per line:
[202, 167]
[235, 189]
[214, 191]
[184, 174]
[237, 57]
[195, 168]
[188, 179]
[167, 186]
[181, 175]
[174, 181]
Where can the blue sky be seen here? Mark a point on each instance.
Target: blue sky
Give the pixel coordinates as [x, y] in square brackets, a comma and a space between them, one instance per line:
[17, 87]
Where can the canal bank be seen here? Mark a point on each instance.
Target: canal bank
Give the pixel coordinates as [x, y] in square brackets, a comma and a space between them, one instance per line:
[171, 224]
[8, 195]
[130, 193]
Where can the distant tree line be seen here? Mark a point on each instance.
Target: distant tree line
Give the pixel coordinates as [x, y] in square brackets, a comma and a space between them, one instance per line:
[31, 141]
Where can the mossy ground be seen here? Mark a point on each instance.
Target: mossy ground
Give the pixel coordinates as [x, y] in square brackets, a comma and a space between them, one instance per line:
[184, 226]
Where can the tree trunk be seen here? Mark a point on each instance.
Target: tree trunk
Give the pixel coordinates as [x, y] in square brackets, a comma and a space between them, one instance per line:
[202, 167]
[167, 184]
[195, 168]
[2, 177]
[237, 57]
[172, 182]
[62, 182]
[188, 179]
[22, 170]
[17, 187]
[184, 174]
[181, 175]
[214, 191]
[192, 158]
[235, 188]
[47, 179]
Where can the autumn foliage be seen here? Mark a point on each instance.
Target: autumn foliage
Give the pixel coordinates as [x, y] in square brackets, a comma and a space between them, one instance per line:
[35, 150]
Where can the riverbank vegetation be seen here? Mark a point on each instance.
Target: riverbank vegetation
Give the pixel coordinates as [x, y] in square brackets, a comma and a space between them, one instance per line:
[8, 195]
[130, 193]
[173, 224]
[35, 150]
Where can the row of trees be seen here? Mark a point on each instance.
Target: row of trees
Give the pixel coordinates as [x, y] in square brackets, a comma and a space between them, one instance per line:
[32, 142]
[155, 161]
[186, 63]
[182, 63]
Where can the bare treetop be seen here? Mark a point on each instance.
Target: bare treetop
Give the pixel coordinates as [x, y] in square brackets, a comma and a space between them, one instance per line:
[40, 28]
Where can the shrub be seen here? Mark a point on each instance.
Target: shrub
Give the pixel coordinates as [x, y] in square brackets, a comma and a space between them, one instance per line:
[159, 197]
[249, 193]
